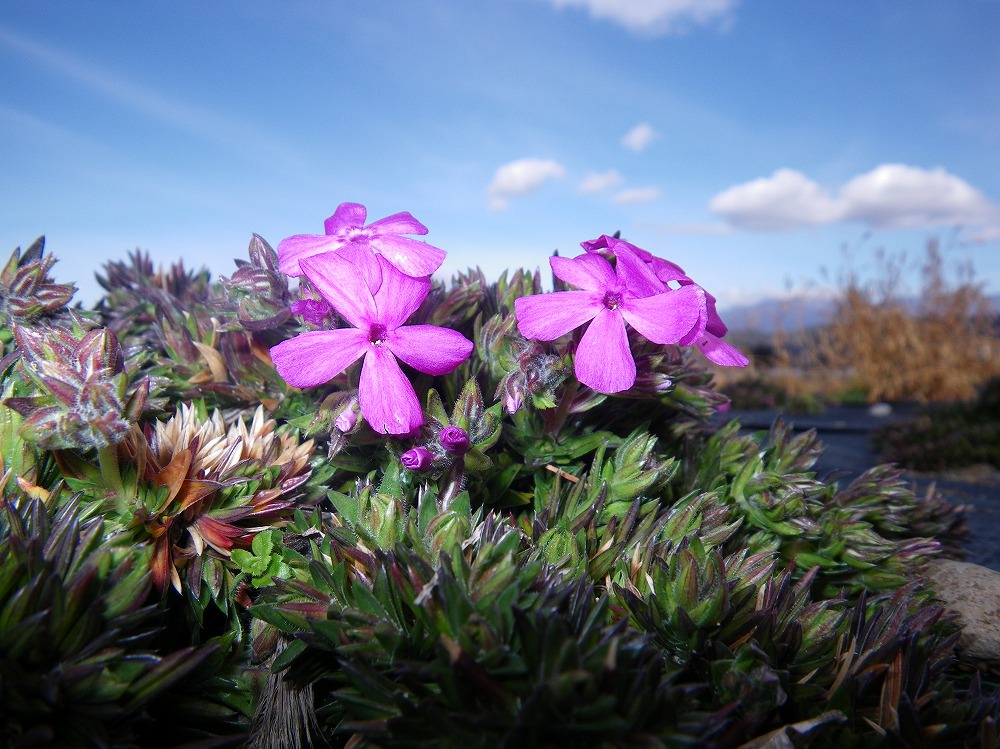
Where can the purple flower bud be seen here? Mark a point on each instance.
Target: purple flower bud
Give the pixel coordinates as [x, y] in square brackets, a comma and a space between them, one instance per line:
[312, 310]
[346, 420]
[455, 440]
[416, 459]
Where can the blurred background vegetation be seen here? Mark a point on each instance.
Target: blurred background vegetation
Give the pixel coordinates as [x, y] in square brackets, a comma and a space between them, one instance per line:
[936, 350]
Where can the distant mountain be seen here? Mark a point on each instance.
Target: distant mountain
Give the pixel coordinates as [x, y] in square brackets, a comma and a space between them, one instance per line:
[789, 313]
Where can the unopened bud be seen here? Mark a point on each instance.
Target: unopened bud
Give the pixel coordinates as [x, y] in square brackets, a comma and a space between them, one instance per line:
[312, 311]
[416, 459]
[454, 440]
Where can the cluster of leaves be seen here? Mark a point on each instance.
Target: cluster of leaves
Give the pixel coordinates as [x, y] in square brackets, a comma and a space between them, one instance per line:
[942, 436]
[592, 571]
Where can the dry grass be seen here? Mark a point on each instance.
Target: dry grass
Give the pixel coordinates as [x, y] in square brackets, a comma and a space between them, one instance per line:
[880, 347]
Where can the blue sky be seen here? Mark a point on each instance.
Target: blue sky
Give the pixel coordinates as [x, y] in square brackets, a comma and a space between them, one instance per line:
[762, 146]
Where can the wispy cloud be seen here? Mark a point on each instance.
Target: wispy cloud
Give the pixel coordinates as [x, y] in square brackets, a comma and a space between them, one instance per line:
[639, 137]
[520, 177]
[656, 16]
[694, 228]
[143, 99]
[600, 181]
[634, 195]
[889, 196]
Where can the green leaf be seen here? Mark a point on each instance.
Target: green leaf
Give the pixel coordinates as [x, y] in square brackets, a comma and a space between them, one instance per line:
[435, 407]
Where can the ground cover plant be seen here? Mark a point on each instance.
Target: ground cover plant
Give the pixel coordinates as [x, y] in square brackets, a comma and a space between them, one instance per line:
[327, 501]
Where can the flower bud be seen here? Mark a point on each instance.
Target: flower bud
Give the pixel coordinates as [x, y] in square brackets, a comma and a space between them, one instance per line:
[312, 311]
[416, 459]
[454, 440]
[346, 420]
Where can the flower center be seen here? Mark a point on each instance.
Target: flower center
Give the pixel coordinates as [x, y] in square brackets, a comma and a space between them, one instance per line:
[376, 334]
[359, 233]
[612, 299]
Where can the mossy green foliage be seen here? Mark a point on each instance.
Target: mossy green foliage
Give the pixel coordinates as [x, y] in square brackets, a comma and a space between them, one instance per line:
[595, 571]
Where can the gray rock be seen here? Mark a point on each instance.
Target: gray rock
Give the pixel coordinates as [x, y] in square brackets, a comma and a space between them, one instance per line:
[973, 592]
[880, 410]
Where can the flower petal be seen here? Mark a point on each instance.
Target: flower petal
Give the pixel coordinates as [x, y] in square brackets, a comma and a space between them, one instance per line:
[589, 271]
[428, 348]
[399, 296]
[633, 272]
[411, 256]
[545, 317]
[338, 280]
[318, 356]
[666, 317]
[603, 359]
[715, 326]
[398, 223]
[388, 401]
[667, 271]
[294, 249]
[347, 216]
[596, 245]
[718, 351]
[360, 254]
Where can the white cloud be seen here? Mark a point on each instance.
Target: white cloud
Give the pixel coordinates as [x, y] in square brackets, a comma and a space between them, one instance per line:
[889, 196]
[656, 16]
[896, 195]
[638, 138]
[520, 177]
[600, 181]
[634, 195]
[785, 200]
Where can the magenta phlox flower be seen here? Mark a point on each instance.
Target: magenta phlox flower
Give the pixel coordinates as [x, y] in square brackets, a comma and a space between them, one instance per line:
[607, 298]
[387, 400]
[346, 232]
[664, 270]
[708, 332]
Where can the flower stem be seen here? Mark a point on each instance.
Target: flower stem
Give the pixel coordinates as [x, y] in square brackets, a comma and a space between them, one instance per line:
[454, 483]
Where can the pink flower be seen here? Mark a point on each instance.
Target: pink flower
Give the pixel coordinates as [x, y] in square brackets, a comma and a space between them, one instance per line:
[609, 297]
[386, 397]
[708, 332]
[347, 233]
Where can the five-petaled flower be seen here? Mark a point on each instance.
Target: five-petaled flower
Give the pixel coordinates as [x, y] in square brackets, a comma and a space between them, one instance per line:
[607, 299]
[708, 332]
[387, 400]
[347, 234]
